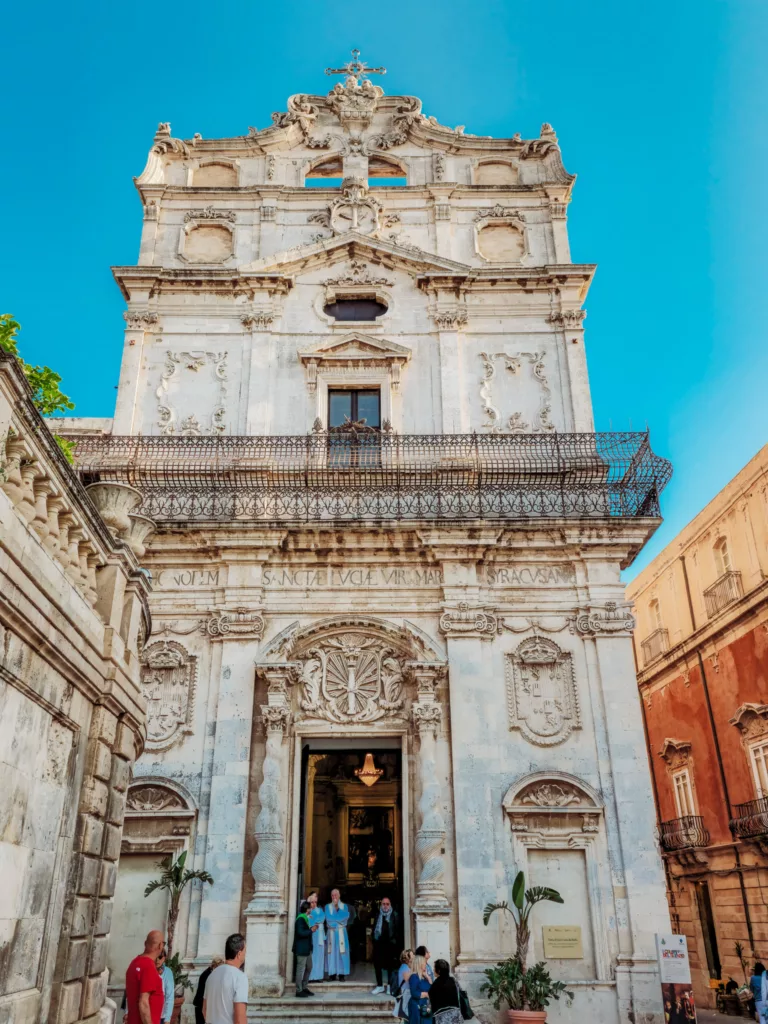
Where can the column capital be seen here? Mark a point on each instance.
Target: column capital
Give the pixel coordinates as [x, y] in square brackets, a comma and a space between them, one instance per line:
[238, 624]
[468, 621]
[276, 718]
[427, 718]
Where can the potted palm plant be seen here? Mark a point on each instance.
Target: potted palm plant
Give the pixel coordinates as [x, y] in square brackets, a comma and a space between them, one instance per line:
[527, 991]
[174, 879]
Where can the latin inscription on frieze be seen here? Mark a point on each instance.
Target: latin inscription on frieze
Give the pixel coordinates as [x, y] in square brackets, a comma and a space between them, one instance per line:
[558, 575]
[359, 576]
[187, 578]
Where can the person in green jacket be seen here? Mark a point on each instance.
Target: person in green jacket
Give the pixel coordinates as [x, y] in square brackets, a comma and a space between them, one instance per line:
[302, 947]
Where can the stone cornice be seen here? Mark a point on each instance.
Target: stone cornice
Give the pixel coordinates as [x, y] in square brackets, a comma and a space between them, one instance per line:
[153, 280]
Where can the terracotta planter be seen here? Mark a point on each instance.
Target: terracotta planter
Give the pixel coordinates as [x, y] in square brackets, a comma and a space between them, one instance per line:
[142, 528]
[115, 502]
[526, 1016]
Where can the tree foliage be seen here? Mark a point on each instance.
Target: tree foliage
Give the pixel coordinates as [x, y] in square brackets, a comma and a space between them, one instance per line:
[47, 396]
[175, 878]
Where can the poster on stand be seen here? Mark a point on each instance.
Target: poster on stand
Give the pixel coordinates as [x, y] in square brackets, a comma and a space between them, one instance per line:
[675, 974]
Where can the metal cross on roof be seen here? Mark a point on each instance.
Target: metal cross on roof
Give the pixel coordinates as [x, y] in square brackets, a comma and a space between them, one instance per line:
[356, 68]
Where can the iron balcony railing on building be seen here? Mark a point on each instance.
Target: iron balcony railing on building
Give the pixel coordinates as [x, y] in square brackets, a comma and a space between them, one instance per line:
[684, 833]
[751, 819]
[724, 591]
[655, 645]
[380, 476]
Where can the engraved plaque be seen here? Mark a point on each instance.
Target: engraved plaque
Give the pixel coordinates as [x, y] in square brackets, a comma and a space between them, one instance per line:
[563, 942]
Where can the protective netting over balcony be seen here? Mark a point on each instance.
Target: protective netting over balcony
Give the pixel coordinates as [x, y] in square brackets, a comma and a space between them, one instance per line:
[348, 475]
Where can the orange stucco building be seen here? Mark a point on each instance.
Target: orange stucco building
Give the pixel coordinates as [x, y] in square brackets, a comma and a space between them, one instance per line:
[701, 645]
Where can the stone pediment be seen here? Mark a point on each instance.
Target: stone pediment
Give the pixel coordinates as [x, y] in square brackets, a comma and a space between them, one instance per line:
[355, 346]
[353, 245]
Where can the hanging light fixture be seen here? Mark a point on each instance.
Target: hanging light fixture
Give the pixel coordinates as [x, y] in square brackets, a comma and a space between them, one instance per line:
[369, 773]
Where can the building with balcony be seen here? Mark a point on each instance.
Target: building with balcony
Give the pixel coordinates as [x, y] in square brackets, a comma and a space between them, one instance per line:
[354, 399]
[701, 646]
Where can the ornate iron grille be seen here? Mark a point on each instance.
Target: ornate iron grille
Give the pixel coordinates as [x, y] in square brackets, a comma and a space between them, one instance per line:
[751, 819]
[724, 591]
[684, 833]
[349, 476]
[654, 645]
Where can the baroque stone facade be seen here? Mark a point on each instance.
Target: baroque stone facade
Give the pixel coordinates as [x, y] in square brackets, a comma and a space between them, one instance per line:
[72, 604]
[340, 565]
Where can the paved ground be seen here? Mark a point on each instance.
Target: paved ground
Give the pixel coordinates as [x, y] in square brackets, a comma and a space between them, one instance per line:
[713, 1017]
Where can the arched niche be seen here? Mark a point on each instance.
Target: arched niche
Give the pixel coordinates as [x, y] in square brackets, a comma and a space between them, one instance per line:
[215, 174]
[327, 167]
[384, 167]
[210, 241]
[558, 839]
[496, 172]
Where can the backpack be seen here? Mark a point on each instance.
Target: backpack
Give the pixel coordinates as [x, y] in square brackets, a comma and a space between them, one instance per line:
[394, 988]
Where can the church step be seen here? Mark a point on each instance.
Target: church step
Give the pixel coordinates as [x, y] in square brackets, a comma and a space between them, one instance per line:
[353, 1006]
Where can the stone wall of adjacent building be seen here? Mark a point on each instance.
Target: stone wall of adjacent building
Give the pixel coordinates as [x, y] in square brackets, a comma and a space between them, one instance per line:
[72, 603]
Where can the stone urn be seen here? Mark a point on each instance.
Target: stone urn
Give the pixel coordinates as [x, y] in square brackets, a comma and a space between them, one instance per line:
[114, 502]
[526, 1016]
[141, 529]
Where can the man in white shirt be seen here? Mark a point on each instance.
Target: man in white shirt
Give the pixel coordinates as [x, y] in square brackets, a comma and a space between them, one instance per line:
[226, 991]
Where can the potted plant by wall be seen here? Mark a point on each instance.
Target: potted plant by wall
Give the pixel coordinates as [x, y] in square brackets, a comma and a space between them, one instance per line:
[174, 879]
[527, 991]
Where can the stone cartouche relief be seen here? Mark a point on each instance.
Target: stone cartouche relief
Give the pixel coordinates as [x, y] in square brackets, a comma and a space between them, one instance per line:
[541, 693]
[493, 392]
[552, 806]
[181, 407]
[501, 235]
[168, 679]
[351, 677]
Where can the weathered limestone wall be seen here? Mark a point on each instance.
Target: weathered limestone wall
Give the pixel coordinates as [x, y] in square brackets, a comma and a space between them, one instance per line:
[71, 604]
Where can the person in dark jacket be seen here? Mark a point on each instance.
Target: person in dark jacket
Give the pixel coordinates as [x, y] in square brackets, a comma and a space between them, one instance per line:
[302, 947]
[444, 996]
[197, 1002]
[385, 944]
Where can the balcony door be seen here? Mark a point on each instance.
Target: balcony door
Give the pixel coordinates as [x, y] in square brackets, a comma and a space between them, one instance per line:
[362, 404]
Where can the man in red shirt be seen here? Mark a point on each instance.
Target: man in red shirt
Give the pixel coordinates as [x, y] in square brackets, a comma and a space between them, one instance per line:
[144, 985]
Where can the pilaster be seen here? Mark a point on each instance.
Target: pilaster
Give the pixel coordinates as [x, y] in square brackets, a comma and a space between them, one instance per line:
[266, 912]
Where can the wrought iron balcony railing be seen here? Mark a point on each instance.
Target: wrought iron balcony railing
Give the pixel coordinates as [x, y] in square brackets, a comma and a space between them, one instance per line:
[751, 819]
[654, 645]
[724, 591]
[350, 476]
[684, 833]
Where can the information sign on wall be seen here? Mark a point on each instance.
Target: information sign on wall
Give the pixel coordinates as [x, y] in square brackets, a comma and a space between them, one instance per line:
[563, 942]
[675, 974]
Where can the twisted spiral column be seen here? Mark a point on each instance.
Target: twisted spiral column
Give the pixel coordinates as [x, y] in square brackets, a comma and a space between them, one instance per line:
[268, 829]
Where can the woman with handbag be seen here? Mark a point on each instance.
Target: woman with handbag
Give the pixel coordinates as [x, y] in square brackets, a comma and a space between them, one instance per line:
[444, 996]
[419, 1009]
[403, 993]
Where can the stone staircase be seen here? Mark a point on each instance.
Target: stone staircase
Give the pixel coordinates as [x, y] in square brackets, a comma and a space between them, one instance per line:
[346, 1002]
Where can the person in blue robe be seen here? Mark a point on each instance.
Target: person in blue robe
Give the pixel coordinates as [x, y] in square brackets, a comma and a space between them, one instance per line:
[336, 939]
[316, 916]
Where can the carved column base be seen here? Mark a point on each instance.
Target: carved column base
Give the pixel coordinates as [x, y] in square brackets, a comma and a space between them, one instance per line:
[264, 930]
[433, 926]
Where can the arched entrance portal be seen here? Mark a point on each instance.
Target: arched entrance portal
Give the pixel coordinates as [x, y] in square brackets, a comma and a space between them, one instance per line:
[339, 690]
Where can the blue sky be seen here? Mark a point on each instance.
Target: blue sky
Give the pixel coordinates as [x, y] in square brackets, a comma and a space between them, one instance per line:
[659, 107]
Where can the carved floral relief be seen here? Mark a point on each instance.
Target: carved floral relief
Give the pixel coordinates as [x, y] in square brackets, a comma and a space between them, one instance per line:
[181, 407]
[541, 692]
[515, 409]
[351, 678]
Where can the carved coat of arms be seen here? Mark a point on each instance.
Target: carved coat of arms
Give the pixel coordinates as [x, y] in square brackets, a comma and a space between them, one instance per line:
[168, 675]
[351, 678]
[541, 693]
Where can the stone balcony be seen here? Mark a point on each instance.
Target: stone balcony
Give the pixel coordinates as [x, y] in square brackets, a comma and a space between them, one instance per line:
[686, 833]
[751, 819]
[357, 474]
[724, 591]
[654, 645]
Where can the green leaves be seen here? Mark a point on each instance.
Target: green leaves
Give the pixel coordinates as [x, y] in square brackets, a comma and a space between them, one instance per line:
[518, 890]
[491, 908]
[542, 892]
[47, 396]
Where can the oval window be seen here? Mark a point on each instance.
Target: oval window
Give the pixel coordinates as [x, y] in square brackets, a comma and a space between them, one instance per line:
[363, 308]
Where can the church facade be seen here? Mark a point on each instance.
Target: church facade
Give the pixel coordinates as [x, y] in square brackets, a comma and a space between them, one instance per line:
[354, 398]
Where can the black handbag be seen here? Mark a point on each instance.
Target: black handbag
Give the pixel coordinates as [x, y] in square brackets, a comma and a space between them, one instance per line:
[425, 1010]
[467, 1013]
